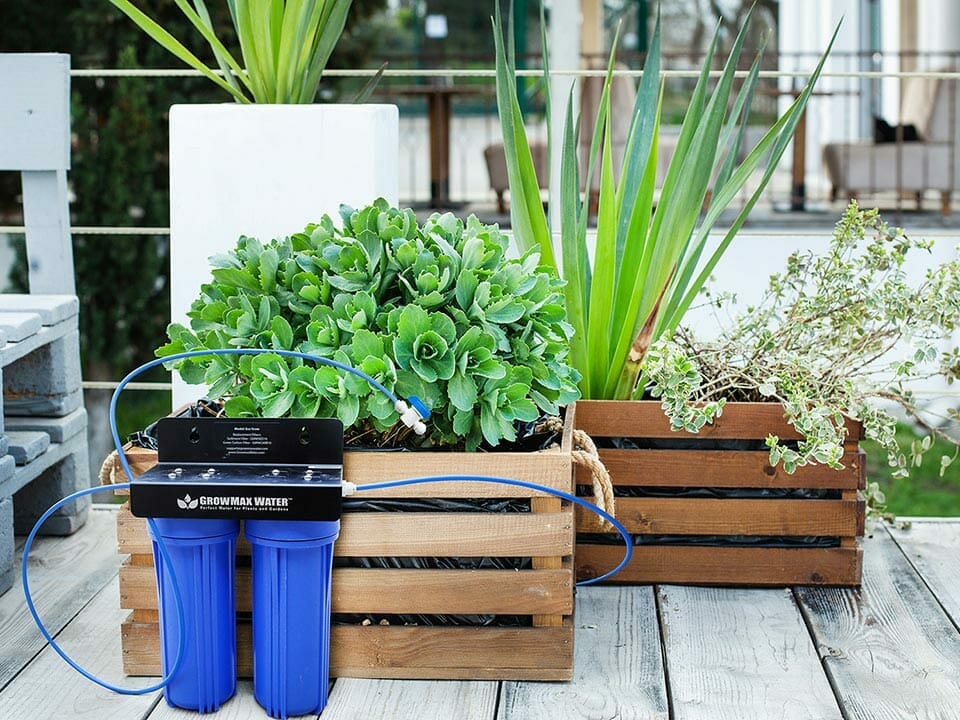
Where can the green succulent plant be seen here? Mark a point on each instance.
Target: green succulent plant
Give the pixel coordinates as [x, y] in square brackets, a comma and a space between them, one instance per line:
[438, 311]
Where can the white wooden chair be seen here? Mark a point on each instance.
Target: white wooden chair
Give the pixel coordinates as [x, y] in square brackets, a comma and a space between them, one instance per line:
[35, 140]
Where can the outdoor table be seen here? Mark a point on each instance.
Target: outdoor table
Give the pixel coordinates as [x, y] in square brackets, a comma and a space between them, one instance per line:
[439, 111]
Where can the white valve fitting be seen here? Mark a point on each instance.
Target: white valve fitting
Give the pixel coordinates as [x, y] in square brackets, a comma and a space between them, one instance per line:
[410, 417]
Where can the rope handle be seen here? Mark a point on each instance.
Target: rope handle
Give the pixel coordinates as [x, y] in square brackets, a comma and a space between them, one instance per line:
[586, 456]
[108, 470]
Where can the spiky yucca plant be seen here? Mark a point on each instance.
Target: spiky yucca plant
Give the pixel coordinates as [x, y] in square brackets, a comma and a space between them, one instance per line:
[284, 45]
[650, 260]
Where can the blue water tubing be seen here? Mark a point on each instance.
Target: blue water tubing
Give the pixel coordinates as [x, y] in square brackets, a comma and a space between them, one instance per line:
[201, 553]
[292, 562]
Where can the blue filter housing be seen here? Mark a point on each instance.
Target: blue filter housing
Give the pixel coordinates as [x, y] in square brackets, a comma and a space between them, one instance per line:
[283, 478]
[291, 567]
[202, 553]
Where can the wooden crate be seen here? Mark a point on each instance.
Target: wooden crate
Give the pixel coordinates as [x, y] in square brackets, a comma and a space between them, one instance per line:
[542, 651]
[670, 562]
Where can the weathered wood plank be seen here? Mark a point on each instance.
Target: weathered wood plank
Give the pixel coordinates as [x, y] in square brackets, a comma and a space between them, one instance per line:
[65, 573]
[48, 689]
[242, 706]
[378, 651]
[741, 654]
[400, 592]
[723, 565]
[402, 700]
[618, 418]
[724, 469]
[543, 617]
[708, 516]
[617, 663]
[932, 548]
[890, 650]
[46, 219]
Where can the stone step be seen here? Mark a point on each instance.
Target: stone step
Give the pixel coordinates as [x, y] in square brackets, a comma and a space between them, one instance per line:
[27, 446]
[68, 474]
[18, 326]
[45, 382]
[7, 467]
[51, 308]
[58, 428]
[11, 351]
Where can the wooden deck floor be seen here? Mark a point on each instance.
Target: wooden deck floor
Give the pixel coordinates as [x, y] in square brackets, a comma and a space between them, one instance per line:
[890, 650]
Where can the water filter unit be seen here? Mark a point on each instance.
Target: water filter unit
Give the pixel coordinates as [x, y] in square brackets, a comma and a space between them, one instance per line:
[283, 477]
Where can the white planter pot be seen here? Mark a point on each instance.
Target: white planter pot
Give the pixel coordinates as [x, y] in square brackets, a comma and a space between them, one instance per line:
[266, 171]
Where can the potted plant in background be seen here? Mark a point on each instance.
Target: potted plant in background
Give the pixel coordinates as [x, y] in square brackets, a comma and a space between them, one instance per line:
[252, 166]
[438, 311]
[831, 353]
[651, 258]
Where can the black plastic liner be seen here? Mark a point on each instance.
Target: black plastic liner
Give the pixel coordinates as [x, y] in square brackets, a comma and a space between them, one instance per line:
[506, 621]
[686, 443]
[719, 493]
[770, 541]
[353, 504]
[528, 439]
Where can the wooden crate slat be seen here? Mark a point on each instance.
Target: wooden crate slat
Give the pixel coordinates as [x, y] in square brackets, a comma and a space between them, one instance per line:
[506, 650]
[396, 592]
[743, 421]
[454, 534]
[707, 516]
[550, 562]
[724, 469]
[418, 535]
[401, 652]
[713, 565]
[543, 468]
[547, 467]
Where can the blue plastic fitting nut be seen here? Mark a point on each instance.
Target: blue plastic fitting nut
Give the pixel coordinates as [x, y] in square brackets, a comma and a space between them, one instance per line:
[418, 405]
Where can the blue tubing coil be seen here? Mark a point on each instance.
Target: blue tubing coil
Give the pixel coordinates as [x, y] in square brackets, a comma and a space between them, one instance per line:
[202, 552]
[291, 566]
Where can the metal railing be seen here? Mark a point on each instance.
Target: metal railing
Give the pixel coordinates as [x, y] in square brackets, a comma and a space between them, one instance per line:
[450, 74]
